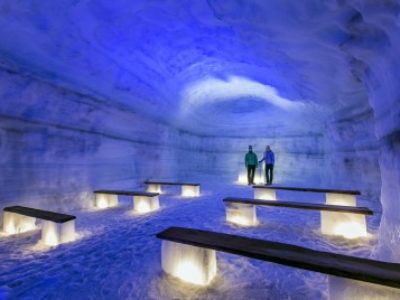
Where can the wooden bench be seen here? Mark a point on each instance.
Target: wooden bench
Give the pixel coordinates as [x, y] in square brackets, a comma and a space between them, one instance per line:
[187, 189]
[143, 202]
[57, 228]
[341, 220]
[189, 254]
[333, 196]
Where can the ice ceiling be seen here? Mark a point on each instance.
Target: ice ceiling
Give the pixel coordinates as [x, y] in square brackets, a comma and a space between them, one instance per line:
[211, 67]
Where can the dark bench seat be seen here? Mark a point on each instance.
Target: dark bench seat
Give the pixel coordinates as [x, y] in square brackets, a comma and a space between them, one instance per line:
[143, 202]
[40, 214]
[301, 205]
[360, 269]
[170, 183]
[126, 193]
[332, 196]
[347, 221]
[187, 189]
[307, 189]
[56, 228]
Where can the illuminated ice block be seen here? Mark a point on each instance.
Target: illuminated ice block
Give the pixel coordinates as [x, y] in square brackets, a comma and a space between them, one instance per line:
[145, 204]
[341, 199]
[241, 214]
[242, 178]
[105, 200]
[154, 188]
[15, 223]
[264, 194]
[348, 225]
[57, 233]
[344, 289]
[190, 190]
[189, 263]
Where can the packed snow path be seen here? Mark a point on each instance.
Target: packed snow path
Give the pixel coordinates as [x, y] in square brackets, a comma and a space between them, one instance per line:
[118, 257]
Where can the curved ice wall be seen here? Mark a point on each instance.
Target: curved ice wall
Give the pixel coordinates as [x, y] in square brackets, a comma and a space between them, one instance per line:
[108, 93]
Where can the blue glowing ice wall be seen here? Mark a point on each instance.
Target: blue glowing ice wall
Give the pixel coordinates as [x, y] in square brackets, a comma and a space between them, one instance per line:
[106, 93]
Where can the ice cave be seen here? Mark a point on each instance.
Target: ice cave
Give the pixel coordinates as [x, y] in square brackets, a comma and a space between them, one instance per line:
[124, 164]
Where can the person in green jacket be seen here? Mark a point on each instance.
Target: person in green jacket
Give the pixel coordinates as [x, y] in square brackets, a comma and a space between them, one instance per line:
[251, 163]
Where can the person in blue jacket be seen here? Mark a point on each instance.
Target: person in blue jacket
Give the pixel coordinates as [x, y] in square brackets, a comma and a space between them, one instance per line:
[251, 162]
[269, 159]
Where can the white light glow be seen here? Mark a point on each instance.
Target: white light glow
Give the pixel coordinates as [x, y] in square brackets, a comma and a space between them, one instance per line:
[188, 271]
[50, 234]
[241, 214]
[55, 233]
[190, 191]
[154, 188]
[103, 201]
[239, 220]
[350, 230]
[213, 89]
[143, 207]
[265, 194]
[190, 264]
[145, 204]
[258, 179]
[347, 225]
[341, 199]
[14, 223]
[242, 178]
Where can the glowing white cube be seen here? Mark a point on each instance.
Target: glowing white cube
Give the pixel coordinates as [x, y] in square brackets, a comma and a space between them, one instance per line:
[348, 225]
[241, 214]
[145, 204]
[242, 178]
[341, 199]
[15, 223]
[154, 188]
[105, 200]
[189, 263]
[264, 194]
[343, 289]
[57, 233]
[190, 190]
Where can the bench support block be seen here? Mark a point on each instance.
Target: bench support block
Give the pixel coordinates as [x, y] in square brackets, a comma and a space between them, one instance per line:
[189, 263]
[57, 233]
[242, 178]
[345, 224]
[343, 289]
[15, 223]
[190, 190]
[341, 199]
[106, 200]
[144, 204]
[265, 194]
[241, 214]
[154, 188]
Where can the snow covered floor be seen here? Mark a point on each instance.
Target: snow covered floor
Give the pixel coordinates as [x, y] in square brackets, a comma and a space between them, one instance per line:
[118, 256]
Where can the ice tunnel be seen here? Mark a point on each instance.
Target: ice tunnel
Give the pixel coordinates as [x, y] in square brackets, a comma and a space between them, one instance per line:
[101, 94]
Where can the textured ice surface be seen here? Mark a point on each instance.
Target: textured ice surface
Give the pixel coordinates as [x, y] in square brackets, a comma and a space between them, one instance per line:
[98, 94]
[119, 257]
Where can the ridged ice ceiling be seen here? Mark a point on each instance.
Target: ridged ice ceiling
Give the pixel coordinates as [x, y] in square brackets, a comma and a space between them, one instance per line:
[221, 67]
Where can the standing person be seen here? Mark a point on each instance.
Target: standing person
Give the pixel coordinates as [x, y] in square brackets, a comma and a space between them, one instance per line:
[251, 162]
[269, 159]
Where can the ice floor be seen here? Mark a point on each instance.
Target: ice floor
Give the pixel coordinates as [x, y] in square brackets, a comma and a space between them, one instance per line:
[118, 256]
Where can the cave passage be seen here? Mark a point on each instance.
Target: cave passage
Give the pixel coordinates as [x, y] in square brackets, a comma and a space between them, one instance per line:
[100, 95]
